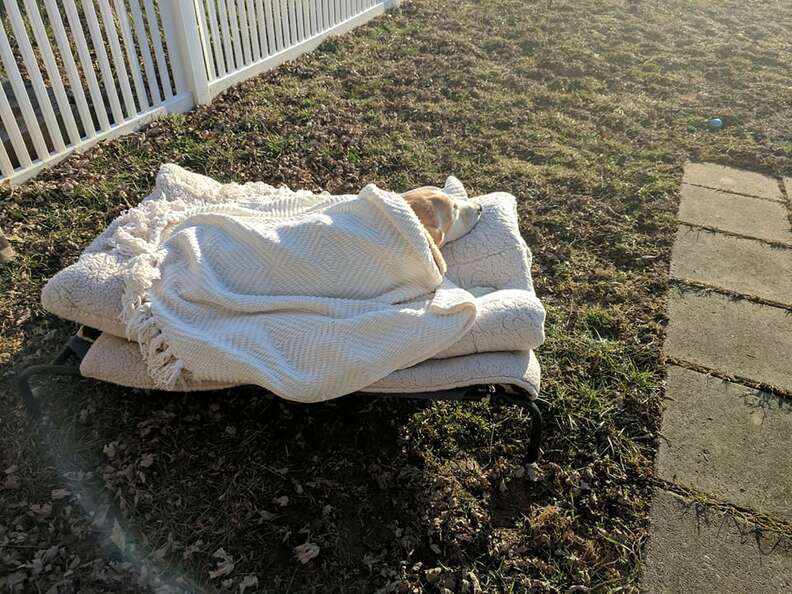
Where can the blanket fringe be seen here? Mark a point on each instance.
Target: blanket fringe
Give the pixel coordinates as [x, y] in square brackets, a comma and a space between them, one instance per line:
[138, 237]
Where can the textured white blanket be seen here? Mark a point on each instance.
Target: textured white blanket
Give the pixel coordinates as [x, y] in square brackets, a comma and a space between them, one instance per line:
[310, 296]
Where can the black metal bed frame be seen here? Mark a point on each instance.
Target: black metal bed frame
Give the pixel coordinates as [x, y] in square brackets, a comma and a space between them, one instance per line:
[68, 363]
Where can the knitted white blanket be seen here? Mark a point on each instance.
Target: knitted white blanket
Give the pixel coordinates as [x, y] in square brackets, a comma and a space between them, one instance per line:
[310, 296]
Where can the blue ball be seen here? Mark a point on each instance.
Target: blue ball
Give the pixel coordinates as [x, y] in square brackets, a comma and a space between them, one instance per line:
[716, 123]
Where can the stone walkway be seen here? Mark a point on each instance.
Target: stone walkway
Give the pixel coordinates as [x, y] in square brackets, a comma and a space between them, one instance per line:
[728, 417]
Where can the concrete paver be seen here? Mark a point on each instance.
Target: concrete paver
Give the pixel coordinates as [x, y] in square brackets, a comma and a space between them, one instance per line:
[701, 551]
[741, 265]
[726, 440]
[736, 214]
[731, 336]
[732, 180]
[722, 439]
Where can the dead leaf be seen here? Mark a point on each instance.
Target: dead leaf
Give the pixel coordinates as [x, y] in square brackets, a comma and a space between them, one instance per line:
[224, 566]
[306, 552]
[59, 494]
[100, 514]
[249, 581]
[192, 549]
[266, 516]
[147, 460]
[534, 472]
[110, 449]
[43, 509]
[118, 537]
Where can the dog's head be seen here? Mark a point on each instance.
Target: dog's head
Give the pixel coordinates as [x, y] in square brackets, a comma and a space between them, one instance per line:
[445, 218]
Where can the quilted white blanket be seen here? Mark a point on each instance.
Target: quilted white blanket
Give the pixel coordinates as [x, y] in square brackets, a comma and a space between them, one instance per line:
[310, 296]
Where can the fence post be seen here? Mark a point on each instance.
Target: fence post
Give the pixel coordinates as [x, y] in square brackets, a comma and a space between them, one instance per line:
[190, 50]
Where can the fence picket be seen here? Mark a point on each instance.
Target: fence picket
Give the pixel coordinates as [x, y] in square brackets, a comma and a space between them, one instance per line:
[206, 44]
[277, 23]
[145, 52]
[233, 24]
[217, 42]
[243, 30]
[265, 30]
[309, 18]
[252, 26]
[75, 27]
[300, 12]
[51, 66]
[314, 11]
[6, 168]
[104, 64]
[159, 52]
[131, 52]
[18, 86]
[277, 14]
[293, 33]
[222, 15]
[75, 84]
[12, 129]
[118, 57]
[31, 65]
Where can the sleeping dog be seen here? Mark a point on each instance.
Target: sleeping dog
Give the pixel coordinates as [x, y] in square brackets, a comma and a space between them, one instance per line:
[444, 218]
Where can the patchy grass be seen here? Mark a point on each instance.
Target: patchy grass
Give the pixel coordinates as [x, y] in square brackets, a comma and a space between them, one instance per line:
[586, 111]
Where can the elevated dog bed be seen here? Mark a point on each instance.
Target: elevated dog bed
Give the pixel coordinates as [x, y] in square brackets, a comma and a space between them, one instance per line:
[493, 357]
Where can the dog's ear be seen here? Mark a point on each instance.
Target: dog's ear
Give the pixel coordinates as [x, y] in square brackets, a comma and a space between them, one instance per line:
[437, 235]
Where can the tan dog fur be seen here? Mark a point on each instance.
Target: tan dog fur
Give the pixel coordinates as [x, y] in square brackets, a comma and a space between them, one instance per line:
[444, 218]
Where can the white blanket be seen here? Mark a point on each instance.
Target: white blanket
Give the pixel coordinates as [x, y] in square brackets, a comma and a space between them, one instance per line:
[310, 296]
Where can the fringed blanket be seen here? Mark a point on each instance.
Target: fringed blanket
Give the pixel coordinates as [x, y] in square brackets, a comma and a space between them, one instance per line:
[310, 296]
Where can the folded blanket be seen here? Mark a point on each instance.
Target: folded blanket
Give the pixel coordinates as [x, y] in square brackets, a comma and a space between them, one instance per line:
[116, 360]
[310, 296]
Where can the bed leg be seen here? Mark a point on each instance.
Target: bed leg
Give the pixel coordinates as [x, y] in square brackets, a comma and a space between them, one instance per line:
[524, 401]
[536, 431]
[58, 366]
[25, 390]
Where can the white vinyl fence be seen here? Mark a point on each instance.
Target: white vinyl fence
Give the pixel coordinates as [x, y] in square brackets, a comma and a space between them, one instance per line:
[73, 75]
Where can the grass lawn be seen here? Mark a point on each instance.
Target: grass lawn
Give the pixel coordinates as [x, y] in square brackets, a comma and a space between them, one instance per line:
[586, 111]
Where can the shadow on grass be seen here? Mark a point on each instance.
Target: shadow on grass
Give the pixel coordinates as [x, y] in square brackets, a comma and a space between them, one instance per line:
[175, 485]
